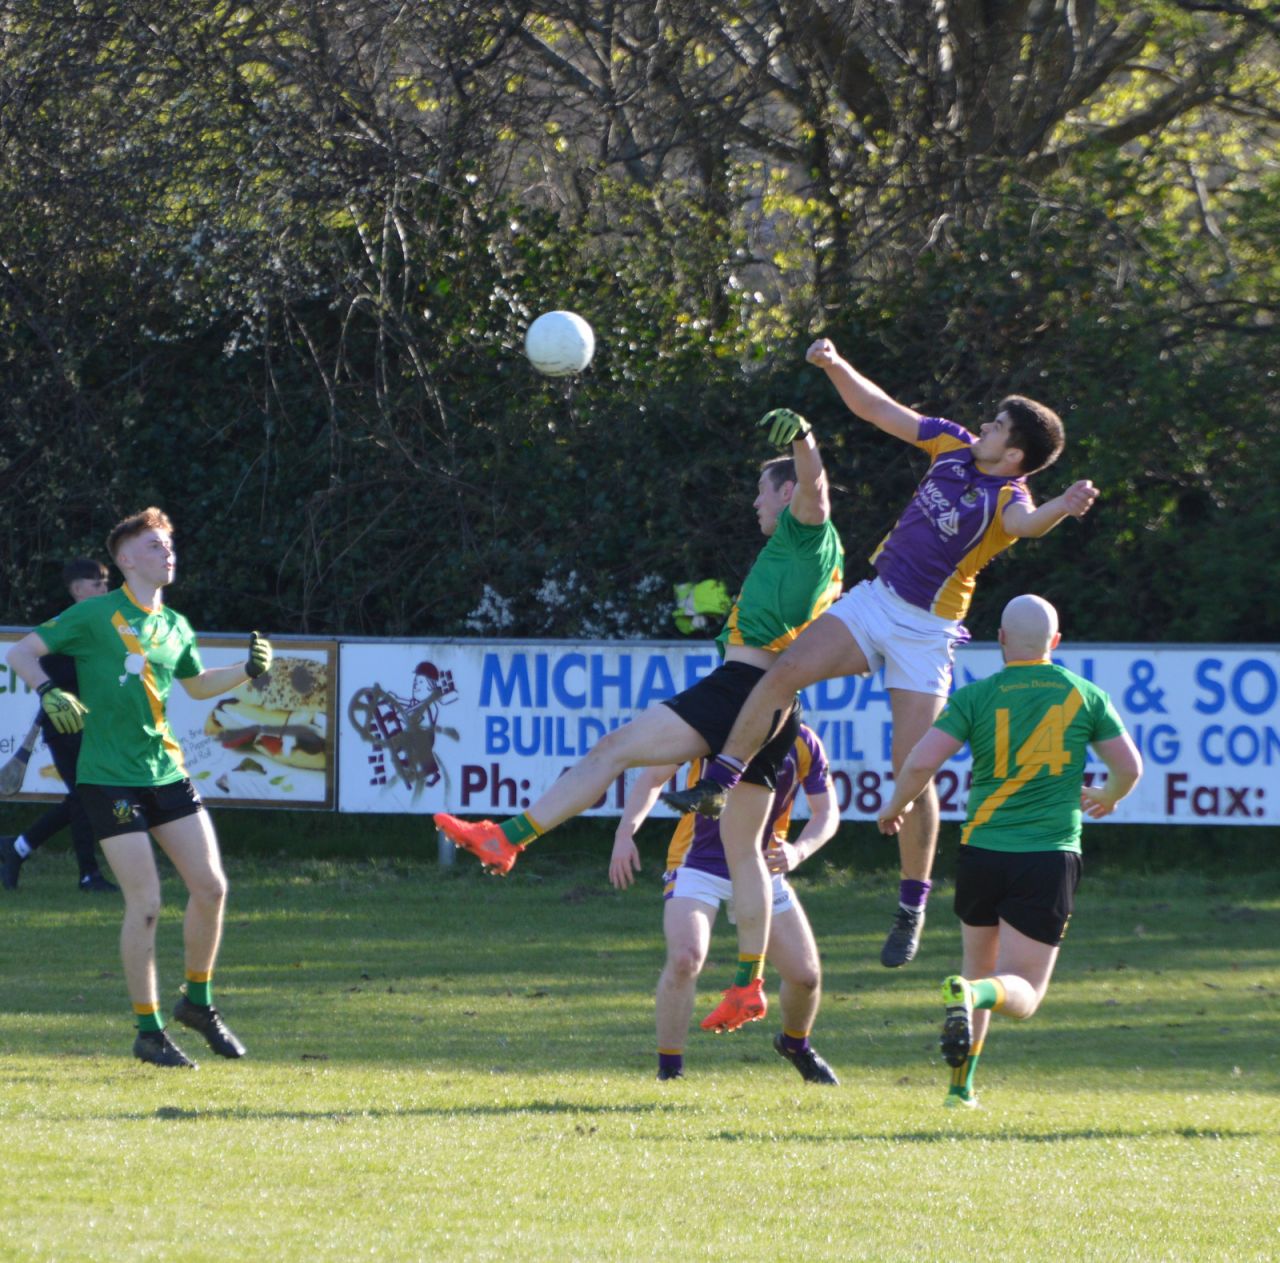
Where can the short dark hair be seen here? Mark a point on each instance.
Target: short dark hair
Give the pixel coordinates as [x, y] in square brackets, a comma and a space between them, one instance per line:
[1036, 431]
[781, 469]
[82, 568]
[147, 520]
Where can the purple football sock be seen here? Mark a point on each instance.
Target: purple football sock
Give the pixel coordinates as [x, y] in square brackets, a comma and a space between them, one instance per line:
[725, 770]
[912, 893]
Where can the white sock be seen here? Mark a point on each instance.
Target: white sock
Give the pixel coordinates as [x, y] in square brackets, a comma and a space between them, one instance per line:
[22, 846]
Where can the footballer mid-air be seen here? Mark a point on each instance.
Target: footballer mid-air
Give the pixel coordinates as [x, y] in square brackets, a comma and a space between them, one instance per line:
[972, 504]
[797, 575]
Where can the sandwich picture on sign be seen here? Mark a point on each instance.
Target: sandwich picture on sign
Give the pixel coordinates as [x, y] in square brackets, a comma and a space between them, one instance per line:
[281, 716]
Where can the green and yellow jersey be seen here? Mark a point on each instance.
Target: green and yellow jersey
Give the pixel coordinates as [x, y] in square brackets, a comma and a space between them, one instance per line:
[1028, 728]
[797, 576]
[127, 657]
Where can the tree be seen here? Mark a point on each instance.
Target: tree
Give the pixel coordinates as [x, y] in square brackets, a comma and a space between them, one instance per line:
[272, 262]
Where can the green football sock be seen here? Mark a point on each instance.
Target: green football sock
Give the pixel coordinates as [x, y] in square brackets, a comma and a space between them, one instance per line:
[147, 1017]
[199, 990]
[962, 1076]
[988, 993]
[749, 969]
[520, 830]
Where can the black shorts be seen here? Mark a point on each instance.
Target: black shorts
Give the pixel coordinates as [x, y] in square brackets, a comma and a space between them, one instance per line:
[117, 809]
[1034, 891]
[711, 706]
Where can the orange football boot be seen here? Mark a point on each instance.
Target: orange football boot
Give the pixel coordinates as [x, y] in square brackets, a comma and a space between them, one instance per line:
[739, 1006]
[483, 839]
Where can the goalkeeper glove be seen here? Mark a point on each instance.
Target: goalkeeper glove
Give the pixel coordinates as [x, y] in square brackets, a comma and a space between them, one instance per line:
[65, 710]
[260, 656]
[784, 426]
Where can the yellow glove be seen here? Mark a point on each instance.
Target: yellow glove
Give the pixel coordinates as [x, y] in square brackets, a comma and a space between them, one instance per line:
[784, 426]
[260, 655]
[65, 710]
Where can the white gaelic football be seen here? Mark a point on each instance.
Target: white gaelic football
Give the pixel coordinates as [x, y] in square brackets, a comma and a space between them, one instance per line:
[559, 343]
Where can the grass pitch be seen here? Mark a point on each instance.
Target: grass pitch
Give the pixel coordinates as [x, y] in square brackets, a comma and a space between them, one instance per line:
[446, 1066]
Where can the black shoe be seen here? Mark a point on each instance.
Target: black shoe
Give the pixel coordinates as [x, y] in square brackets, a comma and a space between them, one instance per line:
[10, 863]
[904, 938]
[956, 1039]
[157, 1048]
[97, 884]
[664, 1075]
[208, 1021]
[811, 1066]
[706, 798]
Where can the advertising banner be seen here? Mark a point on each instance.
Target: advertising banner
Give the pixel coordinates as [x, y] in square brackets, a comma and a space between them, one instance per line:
[267, 743]
[482, 728]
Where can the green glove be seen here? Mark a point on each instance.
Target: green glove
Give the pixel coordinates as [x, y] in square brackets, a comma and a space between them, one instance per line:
[784, 426]
[260, 656]
[65, 710]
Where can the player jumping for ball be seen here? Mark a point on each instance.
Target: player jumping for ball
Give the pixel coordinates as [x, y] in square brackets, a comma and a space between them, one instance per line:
[971, 505]
[1029, 727]
[796, 576]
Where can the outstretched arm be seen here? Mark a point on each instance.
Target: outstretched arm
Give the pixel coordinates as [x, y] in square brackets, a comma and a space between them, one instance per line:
[810, 497]
[928, 755]
[862, 396]
[215, 680]
[811, 500]
[624, 863]
[1075, 501]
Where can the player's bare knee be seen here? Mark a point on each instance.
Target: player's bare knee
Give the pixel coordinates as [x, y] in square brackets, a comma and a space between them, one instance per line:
[784, 680]
[1031, 1006]
[143, 907]
[210, 889]
[611, 751]
[685, 963]
[806, 978]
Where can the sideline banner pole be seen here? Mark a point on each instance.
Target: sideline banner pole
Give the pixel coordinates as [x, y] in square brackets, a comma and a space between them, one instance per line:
[446, 851]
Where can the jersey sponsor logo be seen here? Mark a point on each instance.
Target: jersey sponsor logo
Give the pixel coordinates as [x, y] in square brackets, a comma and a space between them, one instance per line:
[937, 508]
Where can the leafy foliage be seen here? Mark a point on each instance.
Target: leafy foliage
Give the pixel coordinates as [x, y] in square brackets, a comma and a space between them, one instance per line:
[269, 265]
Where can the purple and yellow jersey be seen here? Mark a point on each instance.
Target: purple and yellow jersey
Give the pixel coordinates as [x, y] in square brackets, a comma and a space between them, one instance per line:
[1029, 728]
[127, 657]
[953, 526]
[797, 575]
[696, 841]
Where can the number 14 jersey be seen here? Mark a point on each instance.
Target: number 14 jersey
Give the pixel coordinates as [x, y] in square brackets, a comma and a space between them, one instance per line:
[1028, 728]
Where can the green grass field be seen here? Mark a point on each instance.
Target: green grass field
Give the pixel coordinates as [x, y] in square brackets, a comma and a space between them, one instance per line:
[447, 1066]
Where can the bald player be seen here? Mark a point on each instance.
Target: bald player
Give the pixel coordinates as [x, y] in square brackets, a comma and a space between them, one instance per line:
[1029, 727]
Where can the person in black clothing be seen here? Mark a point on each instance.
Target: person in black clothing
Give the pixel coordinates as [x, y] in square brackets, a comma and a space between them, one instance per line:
[84, 578]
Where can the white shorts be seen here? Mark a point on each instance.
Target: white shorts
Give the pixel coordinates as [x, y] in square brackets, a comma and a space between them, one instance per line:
[694, 883]
[915, 648]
